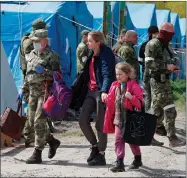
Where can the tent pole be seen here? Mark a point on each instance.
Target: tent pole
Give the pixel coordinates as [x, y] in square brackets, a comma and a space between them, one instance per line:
[107, 21]
[122, 16]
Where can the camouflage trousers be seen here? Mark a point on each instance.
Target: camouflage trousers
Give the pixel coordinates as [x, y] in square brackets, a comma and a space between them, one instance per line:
[37, 121]
[147, 92]
[163, 105]
[28, 130]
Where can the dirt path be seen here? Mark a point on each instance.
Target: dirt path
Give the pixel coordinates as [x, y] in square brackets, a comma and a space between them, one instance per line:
[70, 160]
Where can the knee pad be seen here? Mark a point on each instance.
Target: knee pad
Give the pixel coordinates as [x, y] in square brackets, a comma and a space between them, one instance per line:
[170, 113]
[158, 112]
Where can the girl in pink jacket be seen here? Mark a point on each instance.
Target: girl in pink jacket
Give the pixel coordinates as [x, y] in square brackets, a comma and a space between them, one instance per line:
[124, 93]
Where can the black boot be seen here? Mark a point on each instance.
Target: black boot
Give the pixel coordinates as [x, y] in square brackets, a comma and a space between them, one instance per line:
[174, 141]
[29, 143]
[136, 163]
[36, 157]
[161, 131]
[119, 167]
[93, 154]
[155, 142]
[53, 145]
[99, 160]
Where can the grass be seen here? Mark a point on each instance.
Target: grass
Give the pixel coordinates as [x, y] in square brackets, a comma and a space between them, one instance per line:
[179, 93]
[69, 133]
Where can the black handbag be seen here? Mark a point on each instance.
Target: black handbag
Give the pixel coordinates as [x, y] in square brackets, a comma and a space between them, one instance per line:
[139, 128]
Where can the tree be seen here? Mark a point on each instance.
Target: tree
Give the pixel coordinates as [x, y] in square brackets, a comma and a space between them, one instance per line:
[177, 7]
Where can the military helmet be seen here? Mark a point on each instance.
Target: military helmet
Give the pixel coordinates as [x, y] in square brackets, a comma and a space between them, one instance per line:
[39, 24]
[123, 31]
[84, 32]
[39, 34]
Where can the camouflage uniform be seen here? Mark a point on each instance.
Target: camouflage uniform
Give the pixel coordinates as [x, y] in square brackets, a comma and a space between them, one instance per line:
[117, 46]
[162, 96]
[35, 84]
[25, 48]
[170, 56]
[127, 52]
[82, 55]
[26, 43]
[82, 52]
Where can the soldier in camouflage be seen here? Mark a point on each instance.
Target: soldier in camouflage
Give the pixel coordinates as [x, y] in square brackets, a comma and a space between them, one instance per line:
[152, 33]
[41, 63]
[120, 41]
[25, 48]
[82, 51]
[127, 51]
[26, 43]
[160, 69]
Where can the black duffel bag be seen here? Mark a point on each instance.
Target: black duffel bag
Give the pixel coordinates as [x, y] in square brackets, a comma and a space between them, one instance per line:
[139, 128]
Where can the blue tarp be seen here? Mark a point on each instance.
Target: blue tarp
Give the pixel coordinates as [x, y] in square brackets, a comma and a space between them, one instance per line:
[139, 18]
[162, 16]
[177, 37]
[96, 9]
[182, 22]
[97, 24]
[16, 20]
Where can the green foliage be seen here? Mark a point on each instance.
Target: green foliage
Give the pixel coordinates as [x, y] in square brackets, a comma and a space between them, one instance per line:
[177, 7]
[179, 92]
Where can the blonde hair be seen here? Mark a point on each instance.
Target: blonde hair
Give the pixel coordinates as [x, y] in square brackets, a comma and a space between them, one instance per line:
[126, 68]
[97, 36]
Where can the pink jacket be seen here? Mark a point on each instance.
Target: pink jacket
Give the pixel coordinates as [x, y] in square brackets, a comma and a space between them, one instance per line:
[137, 93]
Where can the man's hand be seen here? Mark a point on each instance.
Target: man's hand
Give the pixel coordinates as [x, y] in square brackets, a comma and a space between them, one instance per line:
[104, 97]
[171, 67]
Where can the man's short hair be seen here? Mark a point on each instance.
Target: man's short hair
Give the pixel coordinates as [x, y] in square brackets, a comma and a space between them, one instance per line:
[153, 29]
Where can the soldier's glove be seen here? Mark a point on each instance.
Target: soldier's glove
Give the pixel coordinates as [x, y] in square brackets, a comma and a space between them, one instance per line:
[128, 95]
[39, 69]
[20, 96]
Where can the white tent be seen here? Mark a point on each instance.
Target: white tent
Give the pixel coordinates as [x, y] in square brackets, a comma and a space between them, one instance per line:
[8, 87]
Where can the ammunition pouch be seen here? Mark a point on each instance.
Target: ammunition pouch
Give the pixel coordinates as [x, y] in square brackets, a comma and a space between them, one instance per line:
[160, 77]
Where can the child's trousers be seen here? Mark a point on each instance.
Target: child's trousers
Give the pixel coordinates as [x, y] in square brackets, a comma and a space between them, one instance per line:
[120, 145]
